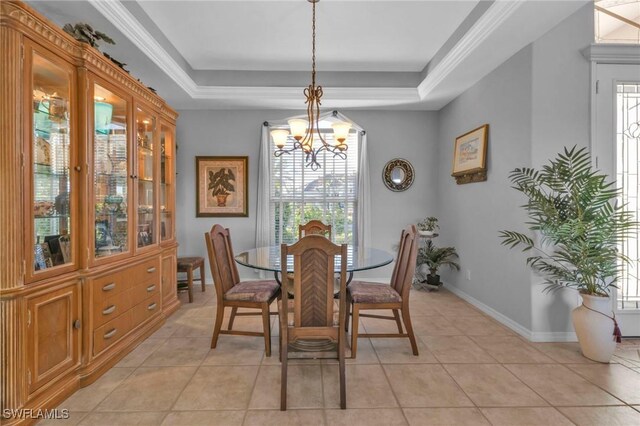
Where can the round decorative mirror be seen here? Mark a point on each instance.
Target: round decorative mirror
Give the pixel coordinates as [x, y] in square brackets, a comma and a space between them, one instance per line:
[398, 174]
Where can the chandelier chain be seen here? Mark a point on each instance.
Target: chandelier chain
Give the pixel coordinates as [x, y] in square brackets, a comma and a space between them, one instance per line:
[313, 47]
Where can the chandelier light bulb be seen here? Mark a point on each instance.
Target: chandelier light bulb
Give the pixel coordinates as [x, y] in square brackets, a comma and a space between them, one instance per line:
[341, 131]
[298, 128]
[280, 137]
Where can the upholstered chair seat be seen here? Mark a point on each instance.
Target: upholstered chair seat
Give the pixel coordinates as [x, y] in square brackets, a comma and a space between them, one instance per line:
[364, 292]
[253, 291]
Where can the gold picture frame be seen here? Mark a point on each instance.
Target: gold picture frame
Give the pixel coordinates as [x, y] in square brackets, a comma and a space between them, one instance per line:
[222, 186]
[470, 156]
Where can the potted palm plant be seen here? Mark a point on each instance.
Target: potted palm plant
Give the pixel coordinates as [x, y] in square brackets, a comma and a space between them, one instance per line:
[579, 225]
[220, 185]
[432, 258]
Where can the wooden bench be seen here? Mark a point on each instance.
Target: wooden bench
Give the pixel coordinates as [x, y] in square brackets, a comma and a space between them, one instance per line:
[188, 265]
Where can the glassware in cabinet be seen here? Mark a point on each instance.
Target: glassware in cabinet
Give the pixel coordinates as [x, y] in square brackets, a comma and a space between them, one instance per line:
[51, 161]
[146, 214]
[111, 180]
[167, 179]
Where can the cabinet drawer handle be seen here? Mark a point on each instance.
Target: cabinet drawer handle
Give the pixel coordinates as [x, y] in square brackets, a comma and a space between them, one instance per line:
[152, 269]
[109, 334]
[152, 306]
[109, 287]
[109, 310]
[151, 288]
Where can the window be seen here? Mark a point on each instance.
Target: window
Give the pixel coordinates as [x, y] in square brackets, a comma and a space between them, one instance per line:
[617, 21]
[628, 180]
[299, 194]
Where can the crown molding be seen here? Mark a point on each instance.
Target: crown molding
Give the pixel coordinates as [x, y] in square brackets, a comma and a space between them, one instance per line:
[478, 33]
[612, 53]
[131, 28]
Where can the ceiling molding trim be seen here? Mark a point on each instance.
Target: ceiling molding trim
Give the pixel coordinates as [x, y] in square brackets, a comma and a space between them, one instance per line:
[479, 32]
[128, 25]
[612, 53]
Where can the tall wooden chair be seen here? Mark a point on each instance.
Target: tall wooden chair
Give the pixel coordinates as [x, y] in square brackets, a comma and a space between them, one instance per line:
[309, 316]
[365, 295]
[230, 292]
[314, 227]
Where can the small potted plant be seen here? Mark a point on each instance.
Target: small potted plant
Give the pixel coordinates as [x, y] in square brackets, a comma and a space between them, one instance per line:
[428, 227]
[432, 258]
[220, 185]
[580, 226]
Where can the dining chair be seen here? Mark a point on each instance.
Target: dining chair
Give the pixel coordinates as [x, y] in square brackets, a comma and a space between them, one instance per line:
[231, 292]
[395, 297]
[314, 227]
[308, 324]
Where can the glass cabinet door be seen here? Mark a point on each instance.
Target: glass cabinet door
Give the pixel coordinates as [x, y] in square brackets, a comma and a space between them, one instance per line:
[167, 178]
[50, 166]
[145, 128]
[111, 180]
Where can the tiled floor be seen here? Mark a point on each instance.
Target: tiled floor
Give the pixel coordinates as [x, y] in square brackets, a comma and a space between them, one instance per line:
[471, 371]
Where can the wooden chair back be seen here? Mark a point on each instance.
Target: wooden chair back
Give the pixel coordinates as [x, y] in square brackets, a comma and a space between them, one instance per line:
[313, 284]
[405, 266]
[223, 267]
[314, 227]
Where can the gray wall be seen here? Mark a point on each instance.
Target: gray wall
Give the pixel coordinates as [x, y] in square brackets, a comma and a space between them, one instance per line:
[411, 135]
[471, 215]
[535, 103]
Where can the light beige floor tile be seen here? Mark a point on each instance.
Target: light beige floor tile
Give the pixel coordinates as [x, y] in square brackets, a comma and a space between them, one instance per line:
[148, 388]
[73, 418]
[564, 353]
[204, 418]
[218, 388]
[367, 387]
[166, 330]
[491, 385]
[561, 386]
[89, 397]
[456, 349]
[480, 326]
[284, 418]
[616, 379]
[529, 416]
[425, 385]
[599, 416]
[445, 416]
[434, 325]
[177, 351]
[124, 418]
[194, 327]
[304, 387]
[374, 325]
[511, 350]
[365, 416]
[202, 312]
[366, 354]
[398, 351]
[238, 350]
[137, 356]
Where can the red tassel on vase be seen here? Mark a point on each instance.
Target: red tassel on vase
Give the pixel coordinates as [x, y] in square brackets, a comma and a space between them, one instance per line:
[616, 332]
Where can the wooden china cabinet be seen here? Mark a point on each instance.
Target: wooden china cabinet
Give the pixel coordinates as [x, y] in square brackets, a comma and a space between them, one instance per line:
[87, 226]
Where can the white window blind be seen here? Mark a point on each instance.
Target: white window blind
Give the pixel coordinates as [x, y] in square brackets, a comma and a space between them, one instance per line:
[299, 194]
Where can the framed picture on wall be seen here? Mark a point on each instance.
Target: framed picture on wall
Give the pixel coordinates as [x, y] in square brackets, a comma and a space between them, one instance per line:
[222, 186]
[470, 156]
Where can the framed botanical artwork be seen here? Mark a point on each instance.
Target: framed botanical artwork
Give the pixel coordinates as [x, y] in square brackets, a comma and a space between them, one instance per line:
[470, 156]
[222, 186]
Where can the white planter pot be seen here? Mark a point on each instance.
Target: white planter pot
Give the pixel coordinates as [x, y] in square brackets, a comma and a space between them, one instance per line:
[594, 330]
[426, 233]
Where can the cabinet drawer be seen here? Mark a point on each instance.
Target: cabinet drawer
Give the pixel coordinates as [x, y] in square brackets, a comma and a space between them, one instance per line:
[146, 271]
[111, 332]
[107, 309]
[144, 310]
[108, 286]
[145, 290]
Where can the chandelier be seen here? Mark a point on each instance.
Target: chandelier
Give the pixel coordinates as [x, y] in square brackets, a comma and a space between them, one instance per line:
[305, 134]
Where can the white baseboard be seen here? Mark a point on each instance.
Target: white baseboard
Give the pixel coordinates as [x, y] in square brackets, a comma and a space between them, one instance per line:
[513, 325]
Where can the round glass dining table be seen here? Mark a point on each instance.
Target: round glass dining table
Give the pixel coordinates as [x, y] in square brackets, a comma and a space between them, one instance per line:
[268, 259]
